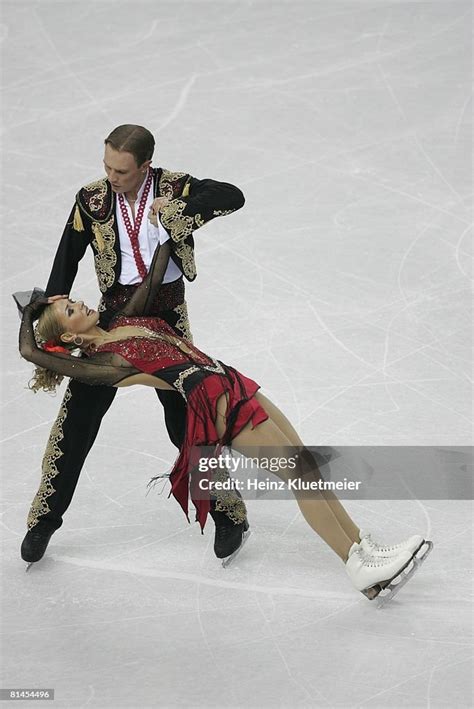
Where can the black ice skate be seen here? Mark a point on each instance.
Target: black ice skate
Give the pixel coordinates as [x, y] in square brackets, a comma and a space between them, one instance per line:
[245, 535]
[229, 538]
[35, 544]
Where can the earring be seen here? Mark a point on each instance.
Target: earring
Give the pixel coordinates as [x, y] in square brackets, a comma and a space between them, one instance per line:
[75, 340]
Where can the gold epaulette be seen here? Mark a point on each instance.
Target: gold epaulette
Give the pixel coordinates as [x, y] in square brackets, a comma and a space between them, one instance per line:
[78, 224]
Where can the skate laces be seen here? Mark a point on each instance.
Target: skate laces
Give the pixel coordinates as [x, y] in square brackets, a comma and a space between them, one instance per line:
[385, 548]
[370, 560]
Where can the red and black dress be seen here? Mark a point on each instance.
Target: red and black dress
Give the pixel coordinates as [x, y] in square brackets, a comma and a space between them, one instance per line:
[201, 380]
[161, 352]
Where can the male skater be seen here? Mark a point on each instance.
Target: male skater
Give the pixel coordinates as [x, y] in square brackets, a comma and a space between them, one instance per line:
[122, 217]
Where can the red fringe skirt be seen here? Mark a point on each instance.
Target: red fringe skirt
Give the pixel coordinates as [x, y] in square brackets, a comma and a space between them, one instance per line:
[242, 408]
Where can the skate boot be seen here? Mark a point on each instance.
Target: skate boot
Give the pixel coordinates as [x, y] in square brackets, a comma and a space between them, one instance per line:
[35, 543]
[373, 574]
[412, 544]
[229, 537]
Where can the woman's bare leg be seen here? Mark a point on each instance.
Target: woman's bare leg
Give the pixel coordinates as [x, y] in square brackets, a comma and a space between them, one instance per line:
[316, 510]
[285, 426]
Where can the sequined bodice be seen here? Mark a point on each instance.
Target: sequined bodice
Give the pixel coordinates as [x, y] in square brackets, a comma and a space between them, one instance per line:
[157, 348]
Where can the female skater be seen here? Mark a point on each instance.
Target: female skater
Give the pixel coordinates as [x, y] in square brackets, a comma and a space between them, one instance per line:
[224, 407]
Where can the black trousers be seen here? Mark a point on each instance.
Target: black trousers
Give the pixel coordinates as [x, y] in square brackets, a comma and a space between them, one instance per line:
[83, 407]
[79, 418]
[80, 415]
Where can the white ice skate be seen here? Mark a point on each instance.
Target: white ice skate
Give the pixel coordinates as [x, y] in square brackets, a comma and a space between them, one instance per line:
[372, 574]
[413, 544]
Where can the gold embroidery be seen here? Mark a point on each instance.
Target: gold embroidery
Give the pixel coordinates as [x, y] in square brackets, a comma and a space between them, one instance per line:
[39, 505]
[165, 186]
[178, 383]
[216, 369]
[98, 236]
[222, 212]
[228, 501]
[178, 225]
[97, 201]
[105, 256]
[175, 222]
[183, 321]
[186, 255]
[102, 306]
[78, 223]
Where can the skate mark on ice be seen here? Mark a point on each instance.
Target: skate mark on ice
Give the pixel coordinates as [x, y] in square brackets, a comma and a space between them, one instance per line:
[196, 578]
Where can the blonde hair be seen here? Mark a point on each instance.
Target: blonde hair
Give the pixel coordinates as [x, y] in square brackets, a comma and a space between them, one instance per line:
[48, 328]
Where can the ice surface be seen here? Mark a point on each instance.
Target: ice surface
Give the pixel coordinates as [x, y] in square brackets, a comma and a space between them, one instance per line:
[342, 287]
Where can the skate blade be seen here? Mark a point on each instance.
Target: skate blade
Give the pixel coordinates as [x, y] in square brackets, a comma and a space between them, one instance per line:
[404, 575]
[229, 559]
[28, 565]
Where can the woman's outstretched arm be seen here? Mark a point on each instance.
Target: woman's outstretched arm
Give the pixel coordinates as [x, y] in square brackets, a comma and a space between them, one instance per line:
[141, 301]
[96, 370]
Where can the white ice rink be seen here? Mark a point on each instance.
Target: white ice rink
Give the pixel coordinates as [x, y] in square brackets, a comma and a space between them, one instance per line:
[342, 287]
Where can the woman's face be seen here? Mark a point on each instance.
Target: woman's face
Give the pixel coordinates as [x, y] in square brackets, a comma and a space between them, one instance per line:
[74, 316]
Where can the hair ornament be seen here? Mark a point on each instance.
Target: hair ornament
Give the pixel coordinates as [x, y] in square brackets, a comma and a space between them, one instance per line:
[52, 346]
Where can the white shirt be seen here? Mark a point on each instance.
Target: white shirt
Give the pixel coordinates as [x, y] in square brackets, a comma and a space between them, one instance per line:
[148, 238]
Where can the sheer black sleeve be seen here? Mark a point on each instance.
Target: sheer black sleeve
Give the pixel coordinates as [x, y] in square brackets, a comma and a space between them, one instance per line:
[145, 294]
[89, 370]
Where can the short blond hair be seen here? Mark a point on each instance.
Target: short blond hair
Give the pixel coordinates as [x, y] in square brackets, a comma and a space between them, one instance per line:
[133, 139]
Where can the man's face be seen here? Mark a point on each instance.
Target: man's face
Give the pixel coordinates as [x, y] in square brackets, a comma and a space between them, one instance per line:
[122, 171]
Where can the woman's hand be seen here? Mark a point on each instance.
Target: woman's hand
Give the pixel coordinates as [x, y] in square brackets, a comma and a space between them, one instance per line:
[156, 208]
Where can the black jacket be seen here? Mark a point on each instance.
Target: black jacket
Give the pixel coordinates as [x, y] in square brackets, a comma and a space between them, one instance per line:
[92, 221]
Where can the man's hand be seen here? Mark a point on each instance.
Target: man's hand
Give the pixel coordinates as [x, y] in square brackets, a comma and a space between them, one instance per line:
[48, 301]
[37, 306]
[156, 207]
[53, 298]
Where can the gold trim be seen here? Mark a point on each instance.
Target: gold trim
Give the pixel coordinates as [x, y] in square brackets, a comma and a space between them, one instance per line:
[222, 212]
[100, 245]
[96, 202]
[228, 501]
[178, 383]
[175, 222]
[185, 254]
[167, 177]
[53, 452]
[216, 369]
[105, 256]
[183, 321]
